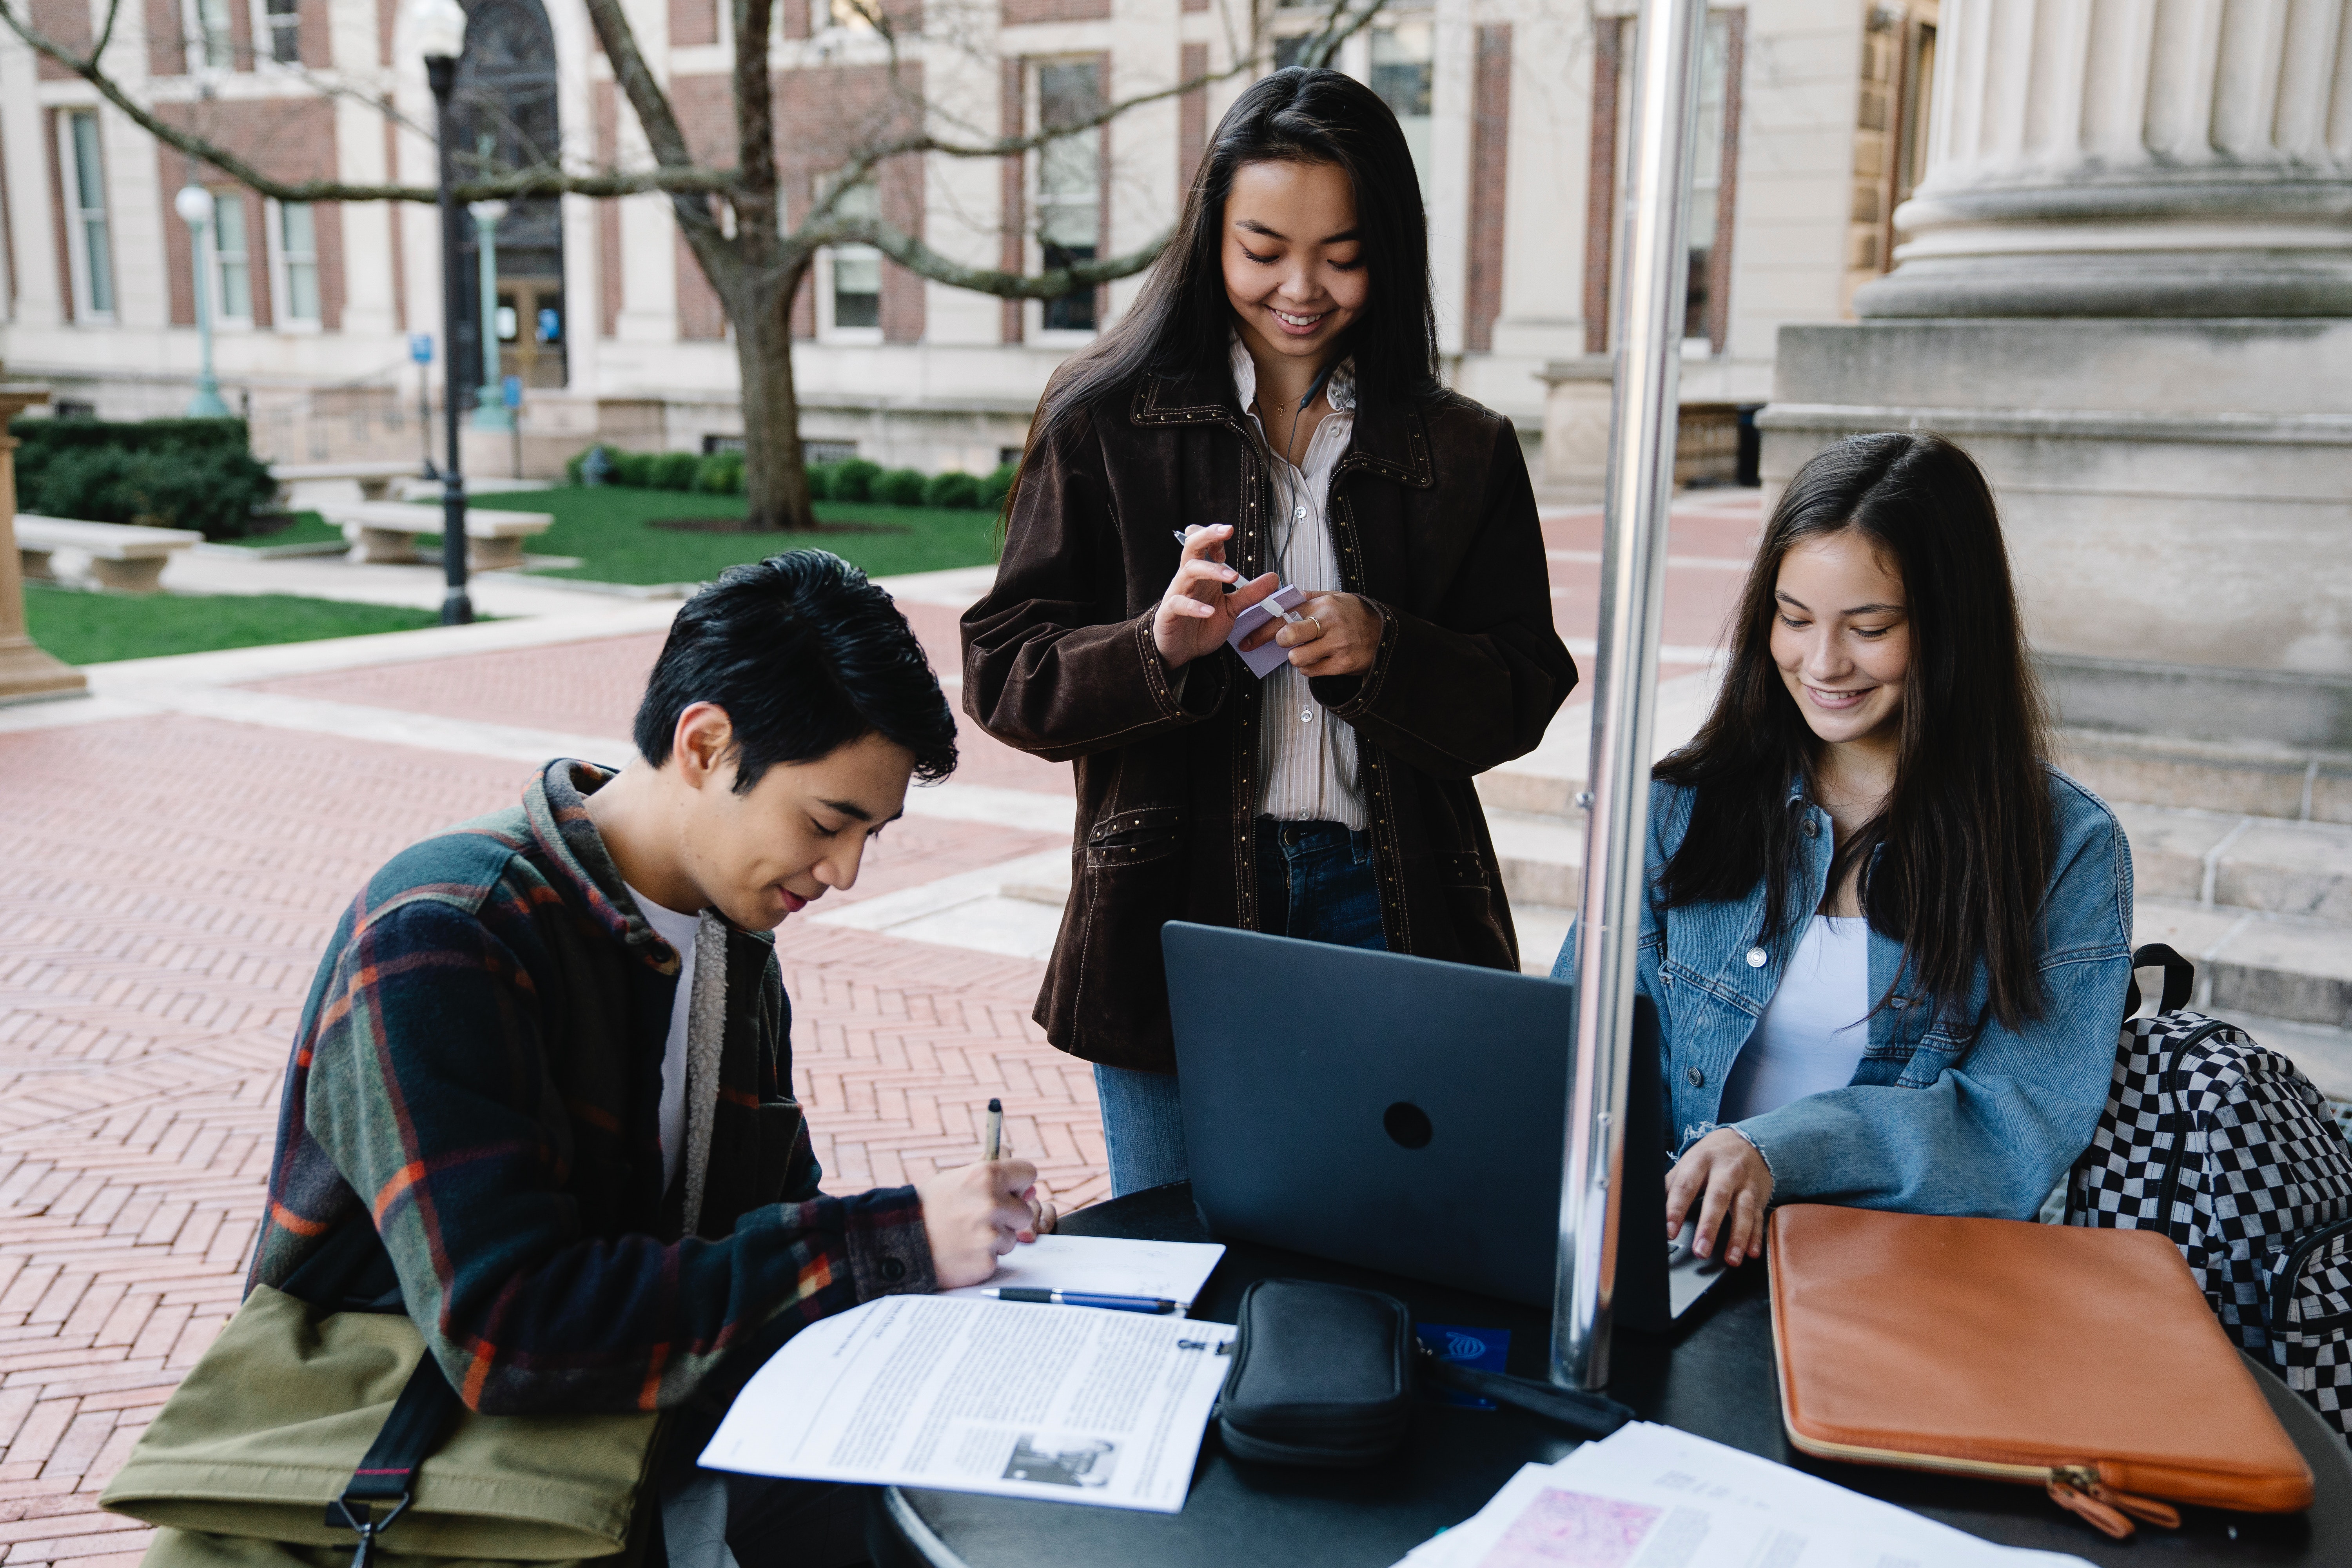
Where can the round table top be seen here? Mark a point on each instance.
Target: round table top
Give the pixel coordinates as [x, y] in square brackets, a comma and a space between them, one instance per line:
[1713, 1376]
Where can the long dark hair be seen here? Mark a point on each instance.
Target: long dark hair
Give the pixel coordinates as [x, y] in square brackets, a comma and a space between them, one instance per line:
[1966, 832]
[1178, 324]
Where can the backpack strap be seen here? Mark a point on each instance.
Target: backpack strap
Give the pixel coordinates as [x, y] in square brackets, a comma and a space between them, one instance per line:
[352, 1272]
[387, 1473]
[2179, 978]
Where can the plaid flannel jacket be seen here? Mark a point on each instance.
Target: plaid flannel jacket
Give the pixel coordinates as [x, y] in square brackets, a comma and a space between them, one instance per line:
[478, 1073]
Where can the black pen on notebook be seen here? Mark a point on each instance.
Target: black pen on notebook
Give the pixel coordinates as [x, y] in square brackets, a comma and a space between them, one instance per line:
[991, 1144]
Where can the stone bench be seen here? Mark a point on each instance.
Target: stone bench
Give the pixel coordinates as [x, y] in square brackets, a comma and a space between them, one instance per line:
[384, 533]
[375, 477]
[123, 556]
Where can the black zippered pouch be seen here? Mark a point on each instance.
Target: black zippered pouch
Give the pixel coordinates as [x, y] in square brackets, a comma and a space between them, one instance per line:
[1324, 1375]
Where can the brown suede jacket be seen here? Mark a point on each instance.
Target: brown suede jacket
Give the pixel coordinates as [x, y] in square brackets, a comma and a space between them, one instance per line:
[1434, 521]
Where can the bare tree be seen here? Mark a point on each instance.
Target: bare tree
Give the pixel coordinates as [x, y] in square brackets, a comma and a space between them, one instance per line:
[734, 218]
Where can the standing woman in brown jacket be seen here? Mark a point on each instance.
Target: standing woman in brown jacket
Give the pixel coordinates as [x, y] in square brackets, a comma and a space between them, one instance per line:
[1272, 398]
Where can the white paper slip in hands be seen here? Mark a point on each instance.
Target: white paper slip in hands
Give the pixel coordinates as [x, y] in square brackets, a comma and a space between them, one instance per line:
[1104, 1266]
[1281, 604]
[1058, 1404]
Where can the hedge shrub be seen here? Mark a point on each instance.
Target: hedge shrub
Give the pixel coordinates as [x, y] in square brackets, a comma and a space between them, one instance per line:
[952, 490]
[633, 469]
[674, 470]
[996, 486]
[214, 490]
[720, 474]
[172, 473]
[899, 487]
[854, 481]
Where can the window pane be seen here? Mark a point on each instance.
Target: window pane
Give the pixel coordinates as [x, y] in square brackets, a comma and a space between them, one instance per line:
[1068, 92]
[211, 19]
[236, 291]
[1706, 174]
[302, 291]
[285, 38]
[1404, 62]
[100, 255]
[857, 290]
[89, 189]
[294, 234]
[1287, 50]
[1074, 312]
[228, 218]
[1405, 66]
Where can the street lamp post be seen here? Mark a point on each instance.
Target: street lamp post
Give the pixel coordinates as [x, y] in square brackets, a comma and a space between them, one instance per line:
[489, 406]
[440, 35]
[195, 206]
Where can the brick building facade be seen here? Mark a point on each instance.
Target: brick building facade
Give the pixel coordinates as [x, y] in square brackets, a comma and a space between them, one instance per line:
[1513, 108]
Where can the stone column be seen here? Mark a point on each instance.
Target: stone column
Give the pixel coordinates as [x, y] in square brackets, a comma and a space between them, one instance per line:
[2132, 157]
[2125, 285]
[26, 670]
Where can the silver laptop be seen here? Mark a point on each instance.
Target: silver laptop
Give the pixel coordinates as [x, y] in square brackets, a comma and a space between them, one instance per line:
[1403, 1114]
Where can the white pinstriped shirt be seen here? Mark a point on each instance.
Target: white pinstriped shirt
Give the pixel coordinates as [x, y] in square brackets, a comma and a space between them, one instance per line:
[1305, 758]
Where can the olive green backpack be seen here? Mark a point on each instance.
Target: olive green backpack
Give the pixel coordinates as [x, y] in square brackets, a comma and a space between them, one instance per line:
[321, 1437]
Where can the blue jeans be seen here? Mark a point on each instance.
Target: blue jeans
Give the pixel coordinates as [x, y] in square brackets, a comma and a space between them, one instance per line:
[1315, 882]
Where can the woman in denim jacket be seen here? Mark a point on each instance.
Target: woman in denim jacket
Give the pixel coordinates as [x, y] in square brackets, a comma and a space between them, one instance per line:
[1888, 942]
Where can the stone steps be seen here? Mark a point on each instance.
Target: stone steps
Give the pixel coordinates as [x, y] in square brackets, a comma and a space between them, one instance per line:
[2241, 778]
[2184, 854]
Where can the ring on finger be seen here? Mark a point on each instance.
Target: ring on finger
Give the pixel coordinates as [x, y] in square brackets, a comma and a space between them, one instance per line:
[1319, 624]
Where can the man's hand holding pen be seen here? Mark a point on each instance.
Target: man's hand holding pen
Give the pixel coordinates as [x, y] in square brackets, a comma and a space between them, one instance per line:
[975, 1214]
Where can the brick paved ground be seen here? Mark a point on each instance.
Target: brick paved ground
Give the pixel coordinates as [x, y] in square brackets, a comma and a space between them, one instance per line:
[167, 882]
[167, 886]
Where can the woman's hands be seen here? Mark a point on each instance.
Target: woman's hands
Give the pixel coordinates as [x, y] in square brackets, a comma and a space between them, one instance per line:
[1732, 1186]
[1337, 634]
[1196, 613]
[975, 1214]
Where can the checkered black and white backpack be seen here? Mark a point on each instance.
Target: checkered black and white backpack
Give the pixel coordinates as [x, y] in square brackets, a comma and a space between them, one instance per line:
[2231, 1151]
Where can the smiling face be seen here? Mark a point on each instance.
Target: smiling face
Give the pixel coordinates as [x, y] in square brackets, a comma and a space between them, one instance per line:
[1294, 269]
[1842, 637]
[798, 833]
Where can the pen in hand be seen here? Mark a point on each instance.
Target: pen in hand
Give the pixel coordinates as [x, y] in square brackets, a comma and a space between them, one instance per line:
[991, 1144]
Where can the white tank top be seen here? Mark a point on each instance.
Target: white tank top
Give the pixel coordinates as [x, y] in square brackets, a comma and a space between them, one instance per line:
[1816, 1028]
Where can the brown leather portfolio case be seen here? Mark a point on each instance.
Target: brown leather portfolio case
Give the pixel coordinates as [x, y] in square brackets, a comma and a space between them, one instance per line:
[2084, 1360]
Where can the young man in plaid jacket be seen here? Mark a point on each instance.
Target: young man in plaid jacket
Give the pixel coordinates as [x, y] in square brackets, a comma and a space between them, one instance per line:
[547, 1056]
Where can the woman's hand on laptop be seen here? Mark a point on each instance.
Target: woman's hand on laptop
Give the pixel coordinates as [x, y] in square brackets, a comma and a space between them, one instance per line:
[975, 1214]
[1731, 1186]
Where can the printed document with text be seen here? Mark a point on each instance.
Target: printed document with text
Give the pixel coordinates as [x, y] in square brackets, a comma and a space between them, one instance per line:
[1061, 1403]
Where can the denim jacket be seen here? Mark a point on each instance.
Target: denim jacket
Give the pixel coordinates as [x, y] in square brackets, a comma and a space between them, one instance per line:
[1948, 1112]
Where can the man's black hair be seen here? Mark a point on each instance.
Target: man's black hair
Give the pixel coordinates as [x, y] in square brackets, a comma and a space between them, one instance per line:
[806, 657]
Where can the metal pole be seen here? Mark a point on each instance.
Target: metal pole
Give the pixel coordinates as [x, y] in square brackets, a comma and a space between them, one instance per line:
[206, 404]
[1649, 333]
[457, 608]
[490, 408]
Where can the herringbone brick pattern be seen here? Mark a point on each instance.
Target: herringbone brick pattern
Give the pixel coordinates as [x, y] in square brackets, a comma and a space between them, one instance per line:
[166, 885]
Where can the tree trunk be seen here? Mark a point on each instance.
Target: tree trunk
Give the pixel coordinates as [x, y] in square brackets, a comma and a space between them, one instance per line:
[775, 477]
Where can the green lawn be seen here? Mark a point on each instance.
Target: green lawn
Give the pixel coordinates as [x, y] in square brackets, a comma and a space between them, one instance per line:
[308, 528]
[607, 529]
[91, 628]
